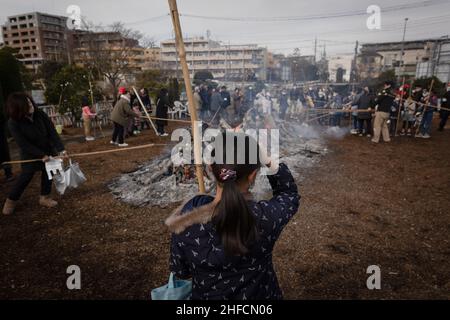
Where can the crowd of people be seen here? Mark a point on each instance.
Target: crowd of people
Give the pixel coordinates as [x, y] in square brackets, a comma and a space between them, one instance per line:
[404, 111]
[224, 242]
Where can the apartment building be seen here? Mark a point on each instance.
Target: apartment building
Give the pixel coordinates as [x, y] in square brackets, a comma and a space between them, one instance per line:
[38, 37]
[415, 51]
[340, 67]
[109, 46]
[152, 59]
[439, 64]
[225, 62]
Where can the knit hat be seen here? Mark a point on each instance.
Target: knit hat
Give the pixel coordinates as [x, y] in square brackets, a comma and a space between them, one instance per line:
[122, 90]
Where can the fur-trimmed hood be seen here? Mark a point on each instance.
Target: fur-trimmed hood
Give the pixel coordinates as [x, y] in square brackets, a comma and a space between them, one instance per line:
[178, 222]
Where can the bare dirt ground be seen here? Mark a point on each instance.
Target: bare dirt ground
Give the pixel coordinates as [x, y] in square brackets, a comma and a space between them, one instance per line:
[364, 204]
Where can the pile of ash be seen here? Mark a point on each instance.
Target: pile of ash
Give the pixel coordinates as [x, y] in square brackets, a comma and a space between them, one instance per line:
[159, 183]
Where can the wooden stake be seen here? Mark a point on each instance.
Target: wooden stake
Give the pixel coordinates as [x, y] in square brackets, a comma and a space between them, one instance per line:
[187, 82]
[425, 105]
[145, 110]
[399, 107]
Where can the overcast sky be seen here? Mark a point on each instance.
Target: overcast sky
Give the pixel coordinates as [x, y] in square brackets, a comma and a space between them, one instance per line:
[262, 21]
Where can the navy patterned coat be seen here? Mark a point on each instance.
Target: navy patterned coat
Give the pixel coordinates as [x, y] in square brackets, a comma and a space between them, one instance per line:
[197, 252]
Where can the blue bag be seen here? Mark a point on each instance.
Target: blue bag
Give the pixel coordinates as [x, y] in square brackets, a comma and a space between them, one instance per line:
[174, 290]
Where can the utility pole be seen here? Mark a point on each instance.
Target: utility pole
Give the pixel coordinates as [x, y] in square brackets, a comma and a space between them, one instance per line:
[315, 49]
[353, 77]
[402, 68]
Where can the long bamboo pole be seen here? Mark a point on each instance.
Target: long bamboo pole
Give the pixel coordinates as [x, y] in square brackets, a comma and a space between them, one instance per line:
[425, 105]
[187, 82]
[400, 107]
[145, 110]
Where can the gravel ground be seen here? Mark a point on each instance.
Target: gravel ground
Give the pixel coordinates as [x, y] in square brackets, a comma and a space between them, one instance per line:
[362, 204]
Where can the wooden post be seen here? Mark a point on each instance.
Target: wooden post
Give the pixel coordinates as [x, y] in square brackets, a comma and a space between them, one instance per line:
[425, 106]
[145, 110]
[399, 107]
[187, 82]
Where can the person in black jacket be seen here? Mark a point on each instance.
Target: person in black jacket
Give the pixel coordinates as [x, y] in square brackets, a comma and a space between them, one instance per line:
[4, 150]
[384, 100]
[225, 242]
[444, 114]
[162, 107]
[365, 102]
[37, 138]
[147, 102]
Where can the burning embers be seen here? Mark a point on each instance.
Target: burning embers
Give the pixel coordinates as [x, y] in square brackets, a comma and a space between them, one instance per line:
[161, 183]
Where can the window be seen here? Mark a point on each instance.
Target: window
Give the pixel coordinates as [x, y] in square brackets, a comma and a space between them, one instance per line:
[13, 27]
[24, 33]
[23, 25]
[31, 25]
[6, 43]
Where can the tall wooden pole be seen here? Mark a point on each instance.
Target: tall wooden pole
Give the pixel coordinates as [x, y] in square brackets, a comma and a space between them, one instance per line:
[425, 106]
[400, 107]
[187, 82]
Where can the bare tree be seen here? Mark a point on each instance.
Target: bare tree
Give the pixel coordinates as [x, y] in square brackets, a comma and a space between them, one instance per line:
[110, 51]
[148, 42]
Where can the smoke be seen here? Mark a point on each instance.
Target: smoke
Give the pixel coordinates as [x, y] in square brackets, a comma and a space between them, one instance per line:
[336, 132]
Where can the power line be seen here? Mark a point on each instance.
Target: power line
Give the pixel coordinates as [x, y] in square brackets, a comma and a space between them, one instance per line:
[394, 8]
[151, 19]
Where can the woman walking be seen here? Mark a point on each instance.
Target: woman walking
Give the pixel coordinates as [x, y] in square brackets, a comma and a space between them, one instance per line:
[120, 115]
[225, 242]
[37, 138]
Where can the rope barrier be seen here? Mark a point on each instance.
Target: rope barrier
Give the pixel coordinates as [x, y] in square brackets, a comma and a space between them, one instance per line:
[173, 120]
[84, 154]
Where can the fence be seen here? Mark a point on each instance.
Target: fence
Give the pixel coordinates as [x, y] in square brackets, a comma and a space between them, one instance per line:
[103, 110]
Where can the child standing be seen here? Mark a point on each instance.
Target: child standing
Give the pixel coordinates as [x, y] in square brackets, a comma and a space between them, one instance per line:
[87, 116]
[137, 119]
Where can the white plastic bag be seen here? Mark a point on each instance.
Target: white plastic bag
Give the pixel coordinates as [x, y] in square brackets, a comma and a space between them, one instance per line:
[73, 175]
[54, 167]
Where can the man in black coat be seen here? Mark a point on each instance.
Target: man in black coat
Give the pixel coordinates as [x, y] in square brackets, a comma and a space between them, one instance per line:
[444, 114]
[365, 101]
[162, 108]
[384, 101]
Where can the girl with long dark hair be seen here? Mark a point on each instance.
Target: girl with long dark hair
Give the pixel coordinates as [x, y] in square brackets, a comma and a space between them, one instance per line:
[37, 138]
[225, 242]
